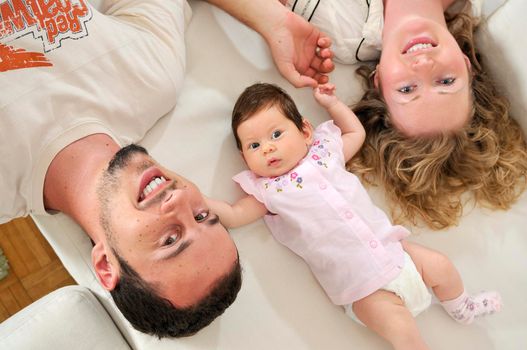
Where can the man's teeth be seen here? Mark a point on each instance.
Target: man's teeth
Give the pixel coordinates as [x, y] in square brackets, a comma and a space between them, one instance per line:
[153, 184]
[418, 47]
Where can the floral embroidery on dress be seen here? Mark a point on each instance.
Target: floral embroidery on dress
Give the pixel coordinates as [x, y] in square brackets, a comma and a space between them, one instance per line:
[319, 152]
[280, 182]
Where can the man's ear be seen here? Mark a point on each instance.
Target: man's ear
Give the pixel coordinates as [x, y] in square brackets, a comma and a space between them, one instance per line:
[106, 271]
[307, 131]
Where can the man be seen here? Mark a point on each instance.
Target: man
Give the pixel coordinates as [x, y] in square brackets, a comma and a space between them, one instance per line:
[66, 107]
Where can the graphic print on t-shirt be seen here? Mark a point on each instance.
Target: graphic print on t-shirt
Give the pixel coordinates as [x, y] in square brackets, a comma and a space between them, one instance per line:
[49, 21]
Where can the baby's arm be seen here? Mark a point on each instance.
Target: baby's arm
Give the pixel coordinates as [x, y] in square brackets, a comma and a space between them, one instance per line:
[243, 212]
[353, 133]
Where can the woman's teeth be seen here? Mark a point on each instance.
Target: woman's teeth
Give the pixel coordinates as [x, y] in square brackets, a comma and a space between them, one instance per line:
[418, 47]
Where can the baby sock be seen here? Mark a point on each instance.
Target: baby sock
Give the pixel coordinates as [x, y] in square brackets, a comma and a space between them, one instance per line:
[465, 307]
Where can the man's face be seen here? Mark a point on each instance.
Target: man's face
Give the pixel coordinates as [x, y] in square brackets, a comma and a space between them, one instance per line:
[159, 224]
[424, 77]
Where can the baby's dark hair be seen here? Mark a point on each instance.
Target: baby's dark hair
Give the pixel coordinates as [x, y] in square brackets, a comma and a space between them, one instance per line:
[259, 96]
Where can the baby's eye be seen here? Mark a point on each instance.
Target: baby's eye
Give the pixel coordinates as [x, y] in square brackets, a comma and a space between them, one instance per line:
[406, 89]
[201, 216]
[276, 134]
[171, 240]
[253, 145]
[446, 81]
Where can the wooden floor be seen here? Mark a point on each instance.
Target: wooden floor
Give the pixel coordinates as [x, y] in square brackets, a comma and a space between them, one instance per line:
[34, 270]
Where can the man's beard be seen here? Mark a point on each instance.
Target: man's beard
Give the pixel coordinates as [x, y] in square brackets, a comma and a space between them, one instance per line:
[122, 157]
[109, 184]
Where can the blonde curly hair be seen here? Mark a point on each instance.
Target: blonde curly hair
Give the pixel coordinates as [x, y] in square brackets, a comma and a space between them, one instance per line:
[425, 177]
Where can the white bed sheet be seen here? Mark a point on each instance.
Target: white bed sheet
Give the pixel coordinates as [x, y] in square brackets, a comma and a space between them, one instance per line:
[281, 306]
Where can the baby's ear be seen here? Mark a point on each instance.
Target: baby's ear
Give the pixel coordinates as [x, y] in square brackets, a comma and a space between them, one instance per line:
[307, 131]
[241, 155]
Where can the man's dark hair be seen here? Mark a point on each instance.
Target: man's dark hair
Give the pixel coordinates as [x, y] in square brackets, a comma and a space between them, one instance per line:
[149, 313]
[259, 96]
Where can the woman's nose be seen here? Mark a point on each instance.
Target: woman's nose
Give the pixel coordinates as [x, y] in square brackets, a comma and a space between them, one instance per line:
[422, 62]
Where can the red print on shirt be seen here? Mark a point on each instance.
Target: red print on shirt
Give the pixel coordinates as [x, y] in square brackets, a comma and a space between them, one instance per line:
[11, 58]
[49, 21]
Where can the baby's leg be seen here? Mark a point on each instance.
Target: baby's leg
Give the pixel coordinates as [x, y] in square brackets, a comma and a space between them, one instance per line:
[385, 314]
[441, 275]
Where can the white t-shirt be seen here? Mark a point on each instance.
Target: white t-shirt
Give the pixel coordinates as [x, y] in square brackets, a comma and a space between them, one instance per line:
[68, 71]
[355, 26]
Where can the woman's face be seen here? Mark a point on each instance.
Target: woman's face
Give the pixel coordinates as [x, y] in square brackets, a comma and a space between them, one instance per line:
[424, 78]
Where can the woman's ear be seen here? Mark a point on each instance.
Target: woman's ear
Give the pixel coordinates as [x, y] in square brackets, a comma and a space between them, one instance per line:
[375, 76]
[106, 271]
[307, 131]
[467, 62]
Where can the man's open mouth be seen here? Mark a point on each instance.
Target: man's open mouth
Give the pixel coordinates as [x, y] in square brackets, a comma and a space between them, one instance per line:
[152, 182]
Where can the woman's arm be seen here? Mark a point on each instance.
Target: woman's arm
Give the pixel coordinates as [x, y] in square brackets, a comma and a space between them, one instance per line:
[243, 212]
[353, 133]
[300, 51]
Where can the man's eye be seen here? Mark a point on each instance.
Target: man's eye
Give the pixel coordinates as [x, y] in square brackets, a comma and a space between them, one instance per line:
[201, 216]
[406, 89]
[447, 81]
[276, 134]
[254, 145]
[171, 240]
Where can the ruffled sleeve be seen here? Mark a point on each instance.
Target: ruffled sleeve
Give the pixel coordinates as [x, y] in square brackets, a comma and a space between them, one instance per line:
[248, 182]
[328, 130]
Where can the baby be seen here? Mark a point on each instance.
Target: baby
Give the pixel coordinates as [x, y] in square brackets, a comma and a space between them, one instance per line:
[298, 181]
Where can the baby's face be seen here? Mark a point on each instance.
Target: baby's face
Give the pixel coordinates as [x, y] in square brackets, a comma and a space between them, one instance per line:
[271, 144]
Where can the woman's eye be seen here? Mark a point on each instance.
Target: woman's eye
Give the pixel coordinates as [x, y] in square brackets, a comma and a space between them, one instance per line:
[406, 89]
[276, 134]
[171, 240]
[201, 216]
[254, 145]
[447, 81]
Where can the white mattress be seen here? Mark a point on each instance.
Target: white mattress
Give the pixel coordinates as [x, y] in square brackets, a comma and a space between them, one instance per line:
[281, 306]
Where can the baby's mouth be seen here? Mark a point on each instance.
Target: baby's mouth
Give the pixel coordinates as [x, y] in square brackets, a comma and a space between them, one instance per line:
[273, 162]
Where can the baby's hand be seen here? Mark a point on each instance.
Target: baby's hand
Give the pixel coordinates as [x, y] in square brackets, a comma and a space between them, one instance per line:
[324, 95]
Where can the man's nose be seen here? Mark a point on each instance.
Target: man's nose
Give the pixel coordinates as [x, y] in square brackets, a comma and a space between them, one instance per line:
[176, 199]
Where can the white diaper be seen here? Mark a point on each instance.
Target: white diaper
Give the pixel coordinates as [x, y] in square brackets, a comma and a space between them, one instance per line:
[409, 286]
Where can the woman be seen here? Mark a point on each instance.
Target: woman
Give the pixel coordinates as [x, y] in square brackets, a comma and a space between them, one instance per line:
[436, 124]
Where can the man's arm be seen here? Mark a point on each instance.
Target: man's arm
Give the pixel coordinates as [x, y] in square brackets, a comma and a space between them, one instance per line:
[243, 212]
[353, 133]
[300, 51]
